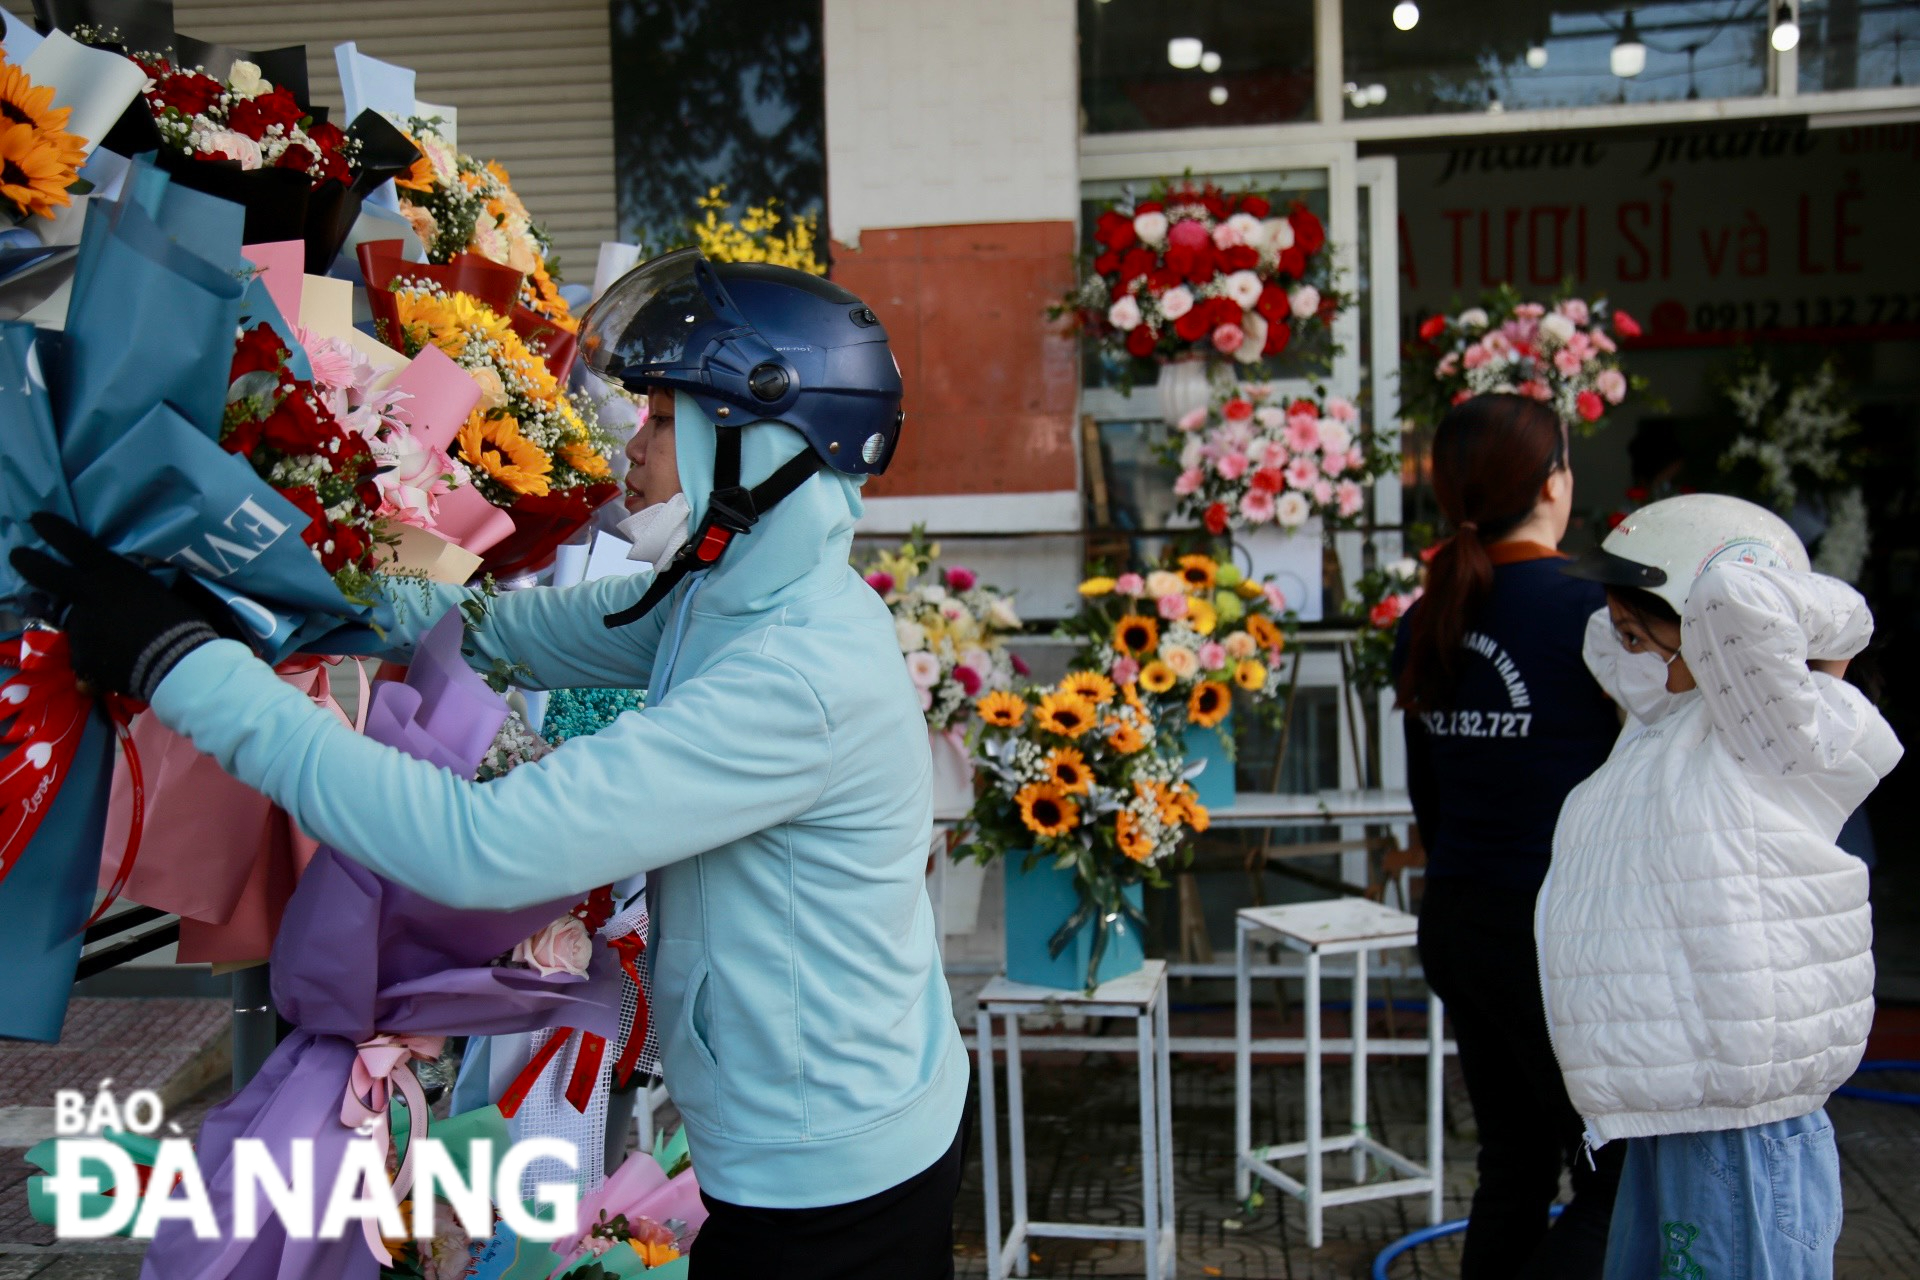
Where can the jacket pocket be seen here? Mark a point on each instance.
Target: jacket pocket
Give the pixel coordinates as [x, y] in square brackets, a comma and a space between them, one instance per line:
[690, 1062]
[1803, 1172]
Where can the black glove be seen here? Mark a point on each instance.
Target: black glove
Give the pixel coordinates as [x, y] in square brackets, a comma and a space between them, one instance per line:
[125, 628]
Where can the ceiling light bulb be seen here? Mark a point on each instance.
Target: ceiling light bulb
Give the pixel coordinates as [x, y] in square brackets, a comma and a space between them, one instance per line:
[1406, 15]
[1536, 56]
[1629, 56]
[1184, 52]
[1209, 62]
[1786, 32]
[1376, 94]
[1217, 95]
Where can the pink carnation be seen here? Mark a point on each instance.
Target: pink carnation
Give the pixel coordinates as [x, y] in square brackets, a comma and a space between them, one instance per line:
[1604, 341]
[1129, 584]
[1341, 409]
[1213, 655]
[1612, 384]
[1173, 608]
[1227, 338]
[1356, 458]
[1303, 432]
[1189, 482]
[1567, 361]
[1529, 311]
[1232, 466]
[1323, 491]
[1257, 506]
[1276, 598]
[1475, 356]
[1124, 671]
[1574, 310]
[1333, 464]
[1535, 388]
[1301, 473]
[969, 680]
[1188, 234]
[1350, 497]
[1193, 419]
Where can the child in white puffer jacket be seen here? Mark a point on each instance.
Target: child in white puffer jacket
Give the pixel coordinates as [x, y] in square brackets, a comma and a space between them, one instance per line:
[1705, 948]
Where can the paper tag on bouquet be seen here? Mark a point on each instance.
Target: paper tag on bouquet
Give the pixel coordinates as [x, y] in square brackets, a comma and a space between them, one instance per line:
[430, 555]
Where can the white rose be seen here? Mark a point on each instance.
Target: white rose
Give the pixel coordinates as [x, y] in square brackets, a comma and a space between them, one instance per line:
[1151, 228]
[1278, 233]
[1556, 326]
[244, 81]
[1473, 318]
[1124, 315]
[1254, 325]
[912, 636]
[1176, 302]
[1292, 509]
[1244, 288]
[978, 661]
[1405, 568]
[1304, 301]
[1334, 436]
[1257, 451]
[924, 669]
[1001, 615]
[1249, 229]
[1270, 417]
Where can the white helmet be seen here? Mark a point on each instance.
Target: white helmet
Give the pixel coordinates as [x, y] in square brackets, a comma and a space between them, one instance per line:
[1664, 546]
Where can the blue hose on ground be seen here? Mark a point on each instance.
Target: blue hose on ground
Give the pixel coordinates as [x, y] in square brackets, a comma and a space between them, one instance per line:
[1882, 1095]
[1414, 1239]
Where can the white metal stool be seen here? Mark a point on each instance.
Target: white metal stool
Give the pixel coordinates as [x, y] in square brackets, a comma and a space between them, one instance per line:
[1343, 926]
[1141, 996]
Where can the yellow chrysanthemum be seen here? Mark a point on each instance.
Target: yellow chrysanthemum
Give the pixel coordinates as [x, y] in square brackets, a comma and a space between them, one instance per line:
[1156, 677]
[1201, 615]
[1046, 810]
[1247, 589]
[1199, 572]
[1002, 709]
[1096, 587]
[1250, 674]
[495, 445]
[35, 170]
[1067, 714]
[1090, 685]
[1209, 703]
[1133, 842]
[1069, 771]
[1265, 634]
[583, 457]
[1124, 736]
[1135, 635]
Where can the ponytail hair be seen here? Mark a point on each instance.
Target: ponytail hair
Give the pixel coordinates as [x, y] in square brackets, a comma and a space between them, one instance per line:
[1491, 454]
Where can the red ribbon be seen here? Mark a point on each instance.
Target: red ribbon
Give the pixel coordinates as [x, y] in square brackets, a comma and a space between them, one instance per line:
[586, 1070]
[628, 947]
[48, 714]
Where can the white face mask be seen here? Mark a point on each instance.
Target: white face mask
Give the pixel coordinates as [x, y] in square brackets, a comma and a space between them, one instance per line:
[1640, 680]
[658, 531]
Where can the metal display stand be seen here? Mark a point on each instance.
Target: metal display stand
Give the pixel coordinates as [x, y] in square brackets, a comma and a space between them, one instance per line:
[1142, 996]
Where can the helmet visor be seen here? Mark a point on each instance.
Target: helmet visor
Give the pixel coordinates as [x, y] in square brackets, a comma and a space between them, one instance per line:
[650, 318]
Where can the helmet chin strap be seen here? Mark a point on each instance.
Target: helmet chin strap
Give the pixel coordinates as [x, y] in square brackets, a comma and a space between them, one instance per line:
[731, 510]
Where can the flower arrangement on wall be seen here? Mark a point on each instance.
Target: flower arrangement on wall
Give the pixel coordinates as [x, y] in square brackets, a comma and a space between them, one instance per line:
[1564, 353]
[1795, 454]
[951, 628]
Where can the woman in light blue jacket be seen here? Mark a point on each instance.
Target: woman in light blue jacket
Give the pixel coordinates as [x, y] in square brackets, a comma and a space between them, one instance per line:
[776, 787]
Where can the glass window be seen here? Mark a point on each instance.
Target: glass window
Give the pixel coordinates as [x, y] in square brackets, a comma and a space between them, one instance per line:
[1243, 64]
[715, 92]
[1520, 54]
[1858, 44]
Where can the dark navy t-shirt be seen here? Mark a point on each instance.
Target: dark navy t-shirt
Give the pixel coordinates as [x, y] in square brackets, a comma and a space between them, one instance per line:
[1526, 725]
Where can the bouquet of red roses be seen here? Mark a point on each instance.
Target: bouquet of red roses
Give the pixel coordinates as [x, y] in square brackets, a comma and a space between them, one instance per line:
[244, 119]
[1195, 270]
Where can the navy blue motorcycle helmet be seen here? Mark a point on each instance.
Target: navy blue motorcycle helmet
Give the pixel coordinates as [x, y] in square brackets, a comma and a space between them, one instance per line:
[749, 342]
[753, 342]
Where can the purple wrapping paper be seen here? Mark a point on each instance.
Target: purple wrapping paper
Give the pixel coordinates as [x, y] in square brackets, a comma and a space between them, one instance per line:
[357, 956]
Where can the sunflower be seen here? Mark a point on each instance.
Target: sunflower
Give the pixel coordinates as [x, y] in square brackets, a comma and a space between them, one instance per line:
[1068, 770]
[1134, 635]
[1199, 572]
[1201, 615]
[1096, 587]
[1090, 685]
[1046, 810]
[1133, 842]
[1209, 703]
[1249, 674]
[496, 446]
[1067, 714]
[24, 102]
[1132, 694]
[1001, 709]
[35, 170]
[420, 177]
[1124, 736]
[1156, 677]
[583, 457]
[1265, 634]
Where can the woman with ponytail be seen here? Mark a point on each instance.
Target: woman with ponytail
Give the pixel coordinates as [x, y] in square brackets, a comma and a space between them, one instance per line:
[1502, 721]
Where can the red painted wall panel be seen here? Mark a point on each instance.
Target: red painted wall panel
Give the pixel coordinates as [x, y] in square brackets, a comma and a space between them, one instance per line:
[990, 381]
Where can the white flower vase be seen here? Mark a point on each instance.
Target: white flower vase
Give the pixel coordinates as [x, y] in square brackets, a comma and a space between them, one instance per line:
[1184, 386]
[952, 801]
[1294, 559]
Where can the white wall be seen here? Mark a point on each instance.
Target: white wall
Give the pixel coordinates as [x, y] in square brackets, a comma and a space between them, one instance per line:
[946, 113]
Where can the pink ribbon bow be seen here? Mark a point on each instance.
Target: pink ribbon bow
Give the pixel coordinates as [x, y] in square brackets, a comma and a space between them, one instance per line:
[381, 1065]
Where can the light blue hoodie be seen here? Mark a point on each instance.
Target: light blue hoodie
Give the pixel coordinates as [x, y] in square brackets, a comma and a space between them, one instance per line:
[777, 788]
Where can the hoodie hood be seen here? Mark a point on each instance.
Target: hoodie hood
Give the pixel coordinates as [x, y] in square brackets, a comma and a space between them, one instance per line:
[803, 545]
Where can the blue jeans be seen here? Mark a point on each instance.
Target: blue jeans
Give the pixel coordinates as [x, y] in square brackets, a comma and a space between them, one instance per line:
[1740, 1204]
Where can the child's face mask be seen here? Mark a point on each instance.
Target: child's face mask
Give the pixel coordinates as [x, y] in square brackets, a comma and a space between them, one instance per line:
[1642, 684]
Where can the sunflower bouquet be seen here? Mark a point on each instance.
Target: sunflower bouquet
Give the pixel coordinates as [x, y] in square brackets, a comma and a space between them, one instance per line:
[1190, 636]
[39, 159]
[459, 204]
[950, 626]
[1078, 775]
